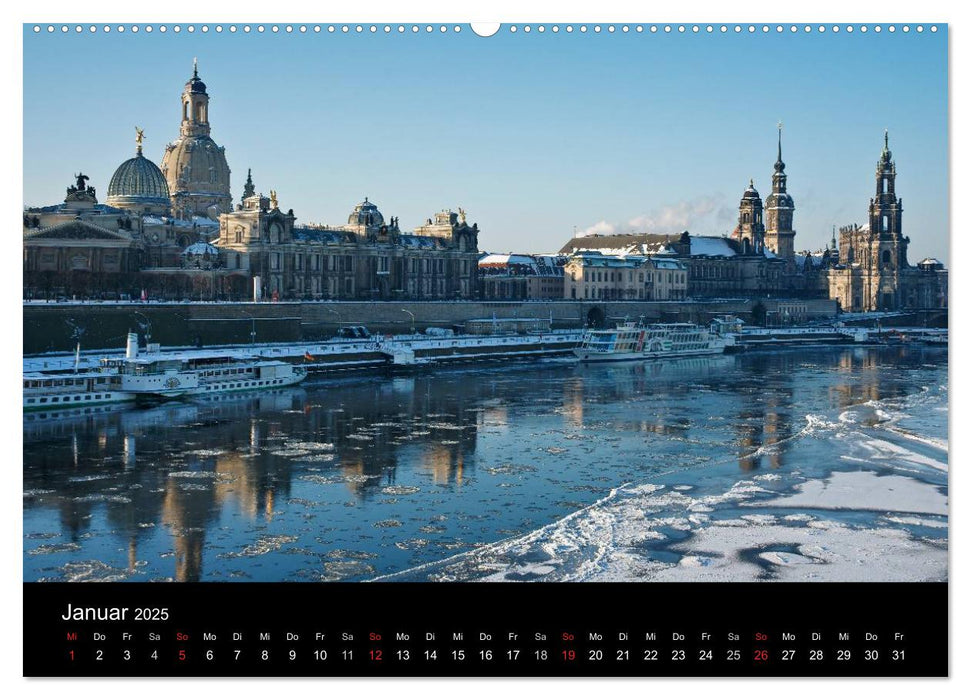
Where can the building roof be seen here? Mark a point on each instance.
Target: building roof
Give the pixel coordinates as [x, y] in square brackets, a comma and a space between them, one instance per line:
[712, 247]
[77, 229]
[362, 211]
[618, 241]
[321, 235]
[201, 249]
[137, 181]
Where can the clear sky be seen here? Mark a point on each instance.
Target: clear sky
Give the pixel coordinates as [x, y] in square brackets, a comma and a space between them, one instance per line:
[532, 134]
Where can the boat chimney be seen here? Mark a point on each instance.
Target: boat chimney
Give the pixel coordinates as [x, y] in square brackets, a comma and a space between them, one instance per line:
[131, 348]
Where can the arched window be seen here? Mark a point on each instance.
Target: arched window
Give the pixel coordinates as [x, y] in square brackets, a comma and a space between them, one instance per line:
[886, 257]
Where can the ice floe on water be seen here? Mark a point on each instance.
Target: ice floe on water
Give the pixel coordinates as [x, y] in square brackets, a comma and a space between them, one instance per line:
[263, 545]
[651, 532]
[400, 490]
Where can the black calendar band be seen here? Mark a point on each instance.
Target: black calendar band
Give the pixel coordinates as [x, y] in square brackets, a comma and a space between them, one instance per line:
[403, 629]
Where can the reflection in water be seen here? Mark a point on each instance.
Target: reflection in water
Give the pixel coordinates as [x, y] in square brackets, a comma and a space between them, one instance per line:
[351, 477]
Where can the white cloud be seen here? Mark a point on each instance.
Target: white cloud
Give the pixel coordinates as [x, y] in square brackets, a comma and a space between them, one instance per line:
[601, 227]
[708, 215]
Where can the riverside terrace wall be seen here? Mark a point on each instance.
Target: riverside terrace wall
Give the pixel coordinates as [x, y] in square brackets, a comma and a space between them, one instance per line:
[101, 325]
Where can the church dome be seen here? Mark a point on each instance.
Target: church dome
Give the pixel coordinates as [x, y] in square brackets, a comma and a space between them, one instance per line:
[363, 211]
[138, 184]
[197, 172]
[751, 192]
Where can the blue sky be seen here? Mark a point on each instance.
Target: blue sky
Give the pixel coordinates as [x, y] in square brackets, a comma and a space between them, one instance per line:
[533, 134]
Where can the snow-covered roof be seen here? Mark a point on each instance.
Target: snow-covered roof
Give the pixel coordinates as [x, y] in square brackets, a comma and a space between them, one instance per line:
[201, 249]
[507, 259]
[712, 246]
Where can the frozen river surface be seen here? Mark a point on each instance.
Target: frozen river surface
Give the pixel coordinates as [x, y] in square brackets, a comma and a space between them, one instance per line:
[810, 464]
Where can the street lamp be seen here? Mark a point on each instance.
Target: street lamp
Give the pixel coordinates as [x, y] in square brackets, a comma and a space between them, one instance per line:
[412, 320]
[337, 314]
[252, 333]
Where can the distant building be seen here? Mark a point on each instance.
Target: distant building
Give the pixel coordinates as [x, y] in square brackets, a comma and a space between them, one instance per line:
[594, 275]
[368, 258]
[512, 277]
[171, 232]
[872, 273]
[866, 271]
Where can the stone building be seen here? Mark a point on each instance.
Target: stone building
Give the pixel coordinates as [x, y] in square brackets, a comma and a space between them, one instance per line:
[872, 272]
[516, 277]
[121, 241]
[171, 232]
[195, 168]
[78, 258]
[591, 274]
[368, 258]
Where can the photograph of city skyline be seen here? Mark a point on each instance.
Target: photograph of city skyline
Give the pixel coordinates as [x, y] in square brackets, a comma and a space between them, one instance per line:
[572, 302]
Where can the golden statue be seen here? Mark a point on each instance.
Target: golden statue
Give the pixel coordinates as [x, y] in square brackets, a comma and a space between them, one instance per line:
[462, 215]
[139, 137]
[273, 202]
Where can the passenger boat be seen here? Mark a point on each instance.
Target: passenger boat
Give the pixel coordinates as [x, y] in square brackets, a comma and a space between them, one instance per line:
[62, 390]
[632, 341]
[156, 375]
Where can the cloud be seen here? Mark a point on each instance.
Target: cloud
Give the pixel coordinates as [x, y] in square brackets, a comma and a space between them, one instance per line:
[704, 215]
[676, 217]
[601, 227]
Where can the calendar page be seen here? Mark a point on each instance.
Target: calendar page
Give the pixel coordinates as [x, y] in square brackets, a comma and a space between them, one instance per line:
[558, 349]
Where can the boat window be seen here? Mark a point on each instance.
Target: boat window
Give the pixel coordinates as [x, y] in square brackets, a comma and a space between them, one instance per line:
[43, 400]
[97, 396]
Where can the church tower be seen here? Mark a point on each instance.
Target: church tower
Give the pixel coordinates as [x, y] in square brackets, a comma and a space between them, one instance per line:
[885, 208]
[779, 236]
[195, 168]
[750, 232]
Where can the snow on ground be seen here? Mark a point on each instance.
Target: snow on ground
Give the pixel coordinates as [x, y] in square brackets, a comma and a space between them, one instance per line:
[864, 491]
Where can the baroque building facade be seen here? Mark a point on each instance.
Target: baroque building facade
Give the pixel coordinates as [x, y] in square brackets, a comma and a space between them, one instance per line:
[171, 232]
[368, 258]
[872, 272]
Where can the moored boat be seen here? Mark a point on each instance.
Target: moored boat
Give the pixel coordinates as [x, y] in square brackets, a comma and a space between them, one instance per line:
[632, 341]
[158, 375]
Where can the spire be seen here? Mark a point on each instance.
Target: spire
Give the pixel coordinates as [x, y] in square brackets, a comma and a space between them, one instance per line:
[248, 189]
[195, 68]
[886, 156]
[779, 165]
